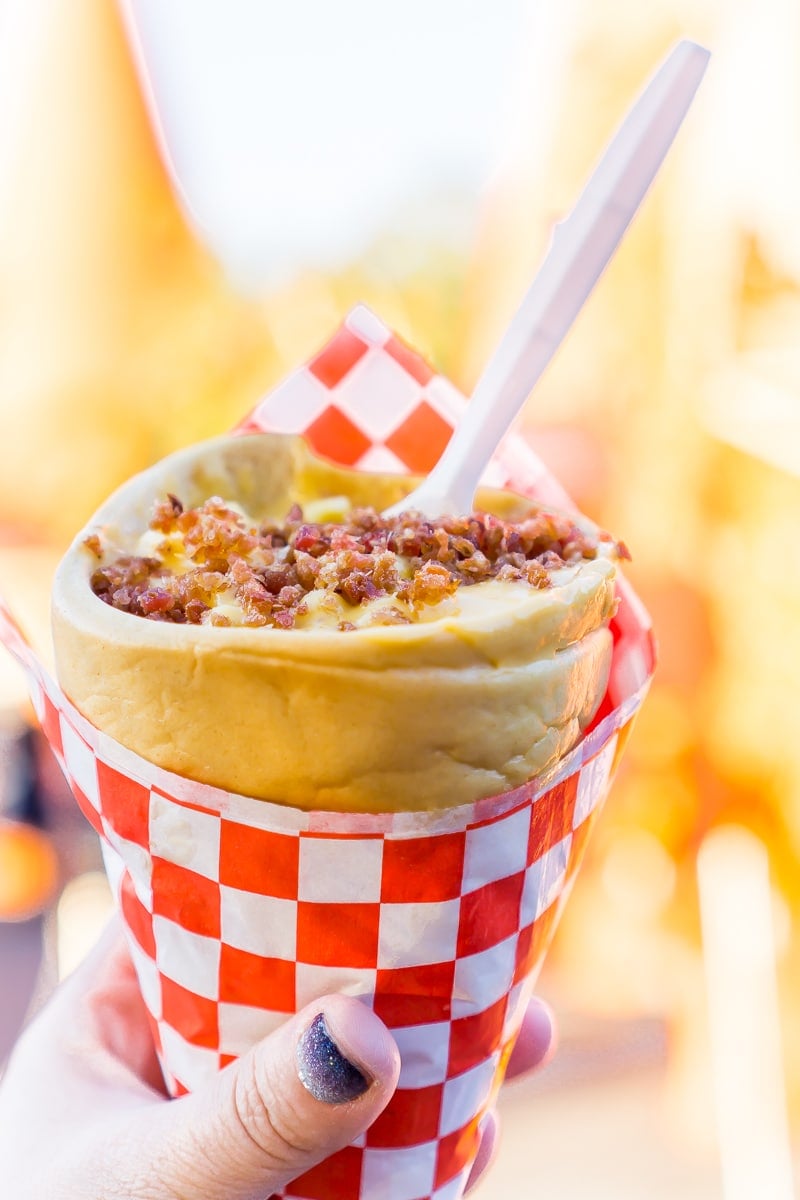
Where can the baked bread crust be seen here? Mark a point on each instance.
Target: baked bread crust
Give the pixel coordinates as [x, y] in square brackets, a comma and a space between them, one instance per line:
[382, 718]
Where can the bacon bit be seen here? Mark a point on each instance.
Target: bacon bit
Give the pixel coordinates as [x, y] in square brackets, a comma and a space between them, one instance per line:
[120, 583]
[272, 537]
[385, 573]
[290, 596]
[329, 602]
[359, 587]
[278, 576]
[306, 569]
[195, 611]
[154, 600]
[536, 574]
[166, 512]
[309, 540]
[477, 564]
[256, 619]
[341, 538]
[431, 584]
[256, 602]
[93, 543]
[389, 616]
[270, 570]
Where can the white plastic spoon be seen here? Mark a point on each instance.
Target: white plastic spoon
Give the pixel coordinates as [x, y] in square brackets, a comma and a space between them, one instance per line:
[582, 246]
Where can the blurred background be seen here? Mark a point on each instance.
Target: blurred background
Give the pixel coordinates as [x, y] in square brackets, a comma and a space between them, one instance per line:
[158, 276]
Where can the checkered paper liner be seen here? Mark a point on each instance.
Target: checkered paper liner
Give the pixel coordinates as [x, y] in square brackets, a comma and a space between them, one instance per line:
[239, 912]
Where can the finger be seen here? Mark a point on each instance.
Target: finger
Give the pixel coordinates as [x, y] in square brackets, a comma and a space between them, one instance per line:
[115, 1013]
[304, 1092]
[86, 1057]
[490, 1130]
[99, 1009]
[537, 1040]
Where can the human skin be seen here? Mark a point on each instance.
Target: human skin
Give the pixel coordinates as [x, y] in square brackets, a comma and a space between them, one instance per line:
[84, 1114]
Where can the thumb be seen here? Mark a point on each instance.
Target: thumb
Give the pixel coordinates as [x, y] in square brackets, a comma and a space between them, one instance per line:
[306, 1091]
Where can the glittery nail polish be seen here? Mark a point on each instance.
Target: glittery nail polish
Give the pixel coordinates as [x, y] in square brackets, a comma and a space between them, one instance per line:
[324, 1070]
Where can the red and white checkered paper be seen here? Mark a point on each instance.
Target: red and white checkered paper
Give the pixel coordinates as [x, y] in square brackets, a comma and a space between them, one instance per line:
[239, 912]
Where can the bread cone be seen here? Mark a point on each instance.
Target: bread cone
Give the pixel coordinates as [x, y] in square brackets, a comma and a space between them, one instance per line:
[387, 717]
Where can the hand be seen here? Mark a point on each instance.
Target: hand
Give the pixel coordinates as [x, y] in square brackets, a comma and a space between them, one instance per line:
[84, 1114]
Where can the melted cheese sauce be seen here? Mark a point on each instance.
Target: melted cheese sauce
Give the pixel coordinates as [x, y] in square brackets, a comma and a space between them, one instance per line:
[328, 610]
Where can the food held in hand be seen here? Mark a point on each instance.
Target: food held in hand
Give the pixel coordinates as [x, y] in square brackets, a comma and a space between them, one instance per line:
[243, 615]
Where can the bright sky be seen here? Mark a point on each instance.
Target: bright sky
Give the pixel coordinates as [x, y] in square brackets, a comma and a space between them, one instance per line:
[298, 131]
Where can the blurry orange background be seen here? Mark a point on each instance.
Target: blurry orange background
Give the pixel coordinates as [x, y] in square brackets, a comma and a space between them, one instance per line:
[672, 414]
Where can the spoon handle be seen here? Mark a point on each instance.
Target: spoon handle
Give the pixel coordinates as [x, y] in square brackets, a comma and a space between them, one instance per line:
[581, 247]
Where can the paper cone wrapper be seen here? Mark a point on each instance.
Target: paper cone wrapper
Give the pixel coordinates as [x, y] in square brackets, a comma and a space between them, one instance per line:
[239, 912]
